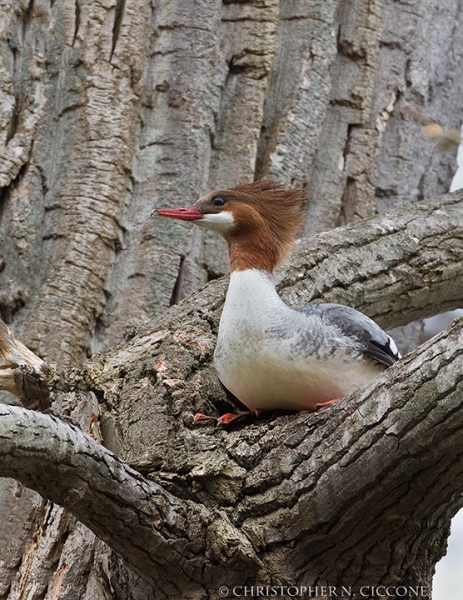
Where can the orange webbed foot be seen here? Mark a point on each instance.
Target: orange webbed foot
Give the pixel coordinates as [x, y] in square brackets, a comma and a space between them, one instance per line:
[322, 404]
[202, 417]
[226, 418]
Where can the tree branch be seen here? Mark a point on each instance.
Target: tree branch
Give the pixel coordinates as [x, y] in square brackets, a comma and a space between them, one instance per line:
[264, 502]
[396, 267]
[158, 534]
[396, 443]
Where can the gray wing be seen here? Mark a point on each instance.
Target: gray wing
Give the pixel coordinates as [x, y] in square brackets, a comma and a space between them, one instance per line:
[373, 341]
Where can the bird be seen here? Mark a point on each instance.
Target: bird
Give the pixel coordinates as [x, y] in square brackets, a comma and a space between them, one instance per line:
[268, 355]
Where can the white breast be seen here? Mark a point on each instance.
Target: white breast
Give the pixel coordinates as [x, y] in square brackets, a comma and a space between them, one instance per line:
[260, 359]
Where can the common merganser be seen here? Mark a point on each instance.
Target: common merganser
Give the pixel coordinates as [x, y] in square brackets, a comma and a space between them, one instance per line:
[271, 356]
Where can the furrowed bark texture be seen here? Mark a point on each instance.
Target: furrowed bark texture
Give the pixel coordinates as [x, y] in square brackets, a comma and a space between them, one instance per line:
[369, 461]
[111, 110]
[402, 282]
[280, 502]
[73, 103]
[108, 110]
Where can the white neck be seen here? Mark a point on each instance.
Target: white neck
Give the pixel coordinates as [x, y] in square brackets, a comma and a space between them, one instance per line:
[251, 298]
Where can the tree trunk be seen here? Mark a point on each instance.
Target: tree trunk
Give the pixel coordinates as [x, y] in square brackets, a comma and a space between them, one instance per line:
[354, 496]
[108, 110]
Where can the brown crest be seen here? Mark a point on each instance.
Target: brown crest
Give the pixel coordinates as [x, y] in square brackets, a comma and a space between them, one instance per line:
[266, 220]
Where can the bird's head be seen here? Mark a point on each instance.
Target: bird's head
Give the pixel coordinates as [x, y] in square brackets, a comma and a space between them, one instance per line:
[259, 220]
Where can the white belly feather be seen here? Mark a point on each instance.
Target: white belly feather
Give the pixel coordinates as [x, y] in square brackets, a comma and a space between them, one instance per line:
[260, 359]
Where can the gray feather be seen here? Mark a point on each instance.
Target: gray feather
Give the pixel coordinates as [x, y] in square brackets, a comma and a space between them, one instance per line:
[373, 342]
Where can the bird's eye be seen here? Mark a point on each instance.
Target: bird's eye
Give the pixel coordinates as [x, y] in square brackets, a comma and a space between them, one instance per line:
[218, 201]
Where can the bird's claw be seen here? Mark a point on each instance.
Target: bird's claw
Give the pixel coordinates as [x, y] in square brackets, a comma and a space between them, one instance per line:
[201, 417]
[226, 418]
[322, 404]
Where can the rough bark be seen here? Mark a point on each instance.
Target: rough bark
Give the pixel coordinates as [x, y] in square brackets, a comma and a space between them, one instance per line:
[242, 507]
[398, 253]
[332, 119]
[109, 109]
[278, 503]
